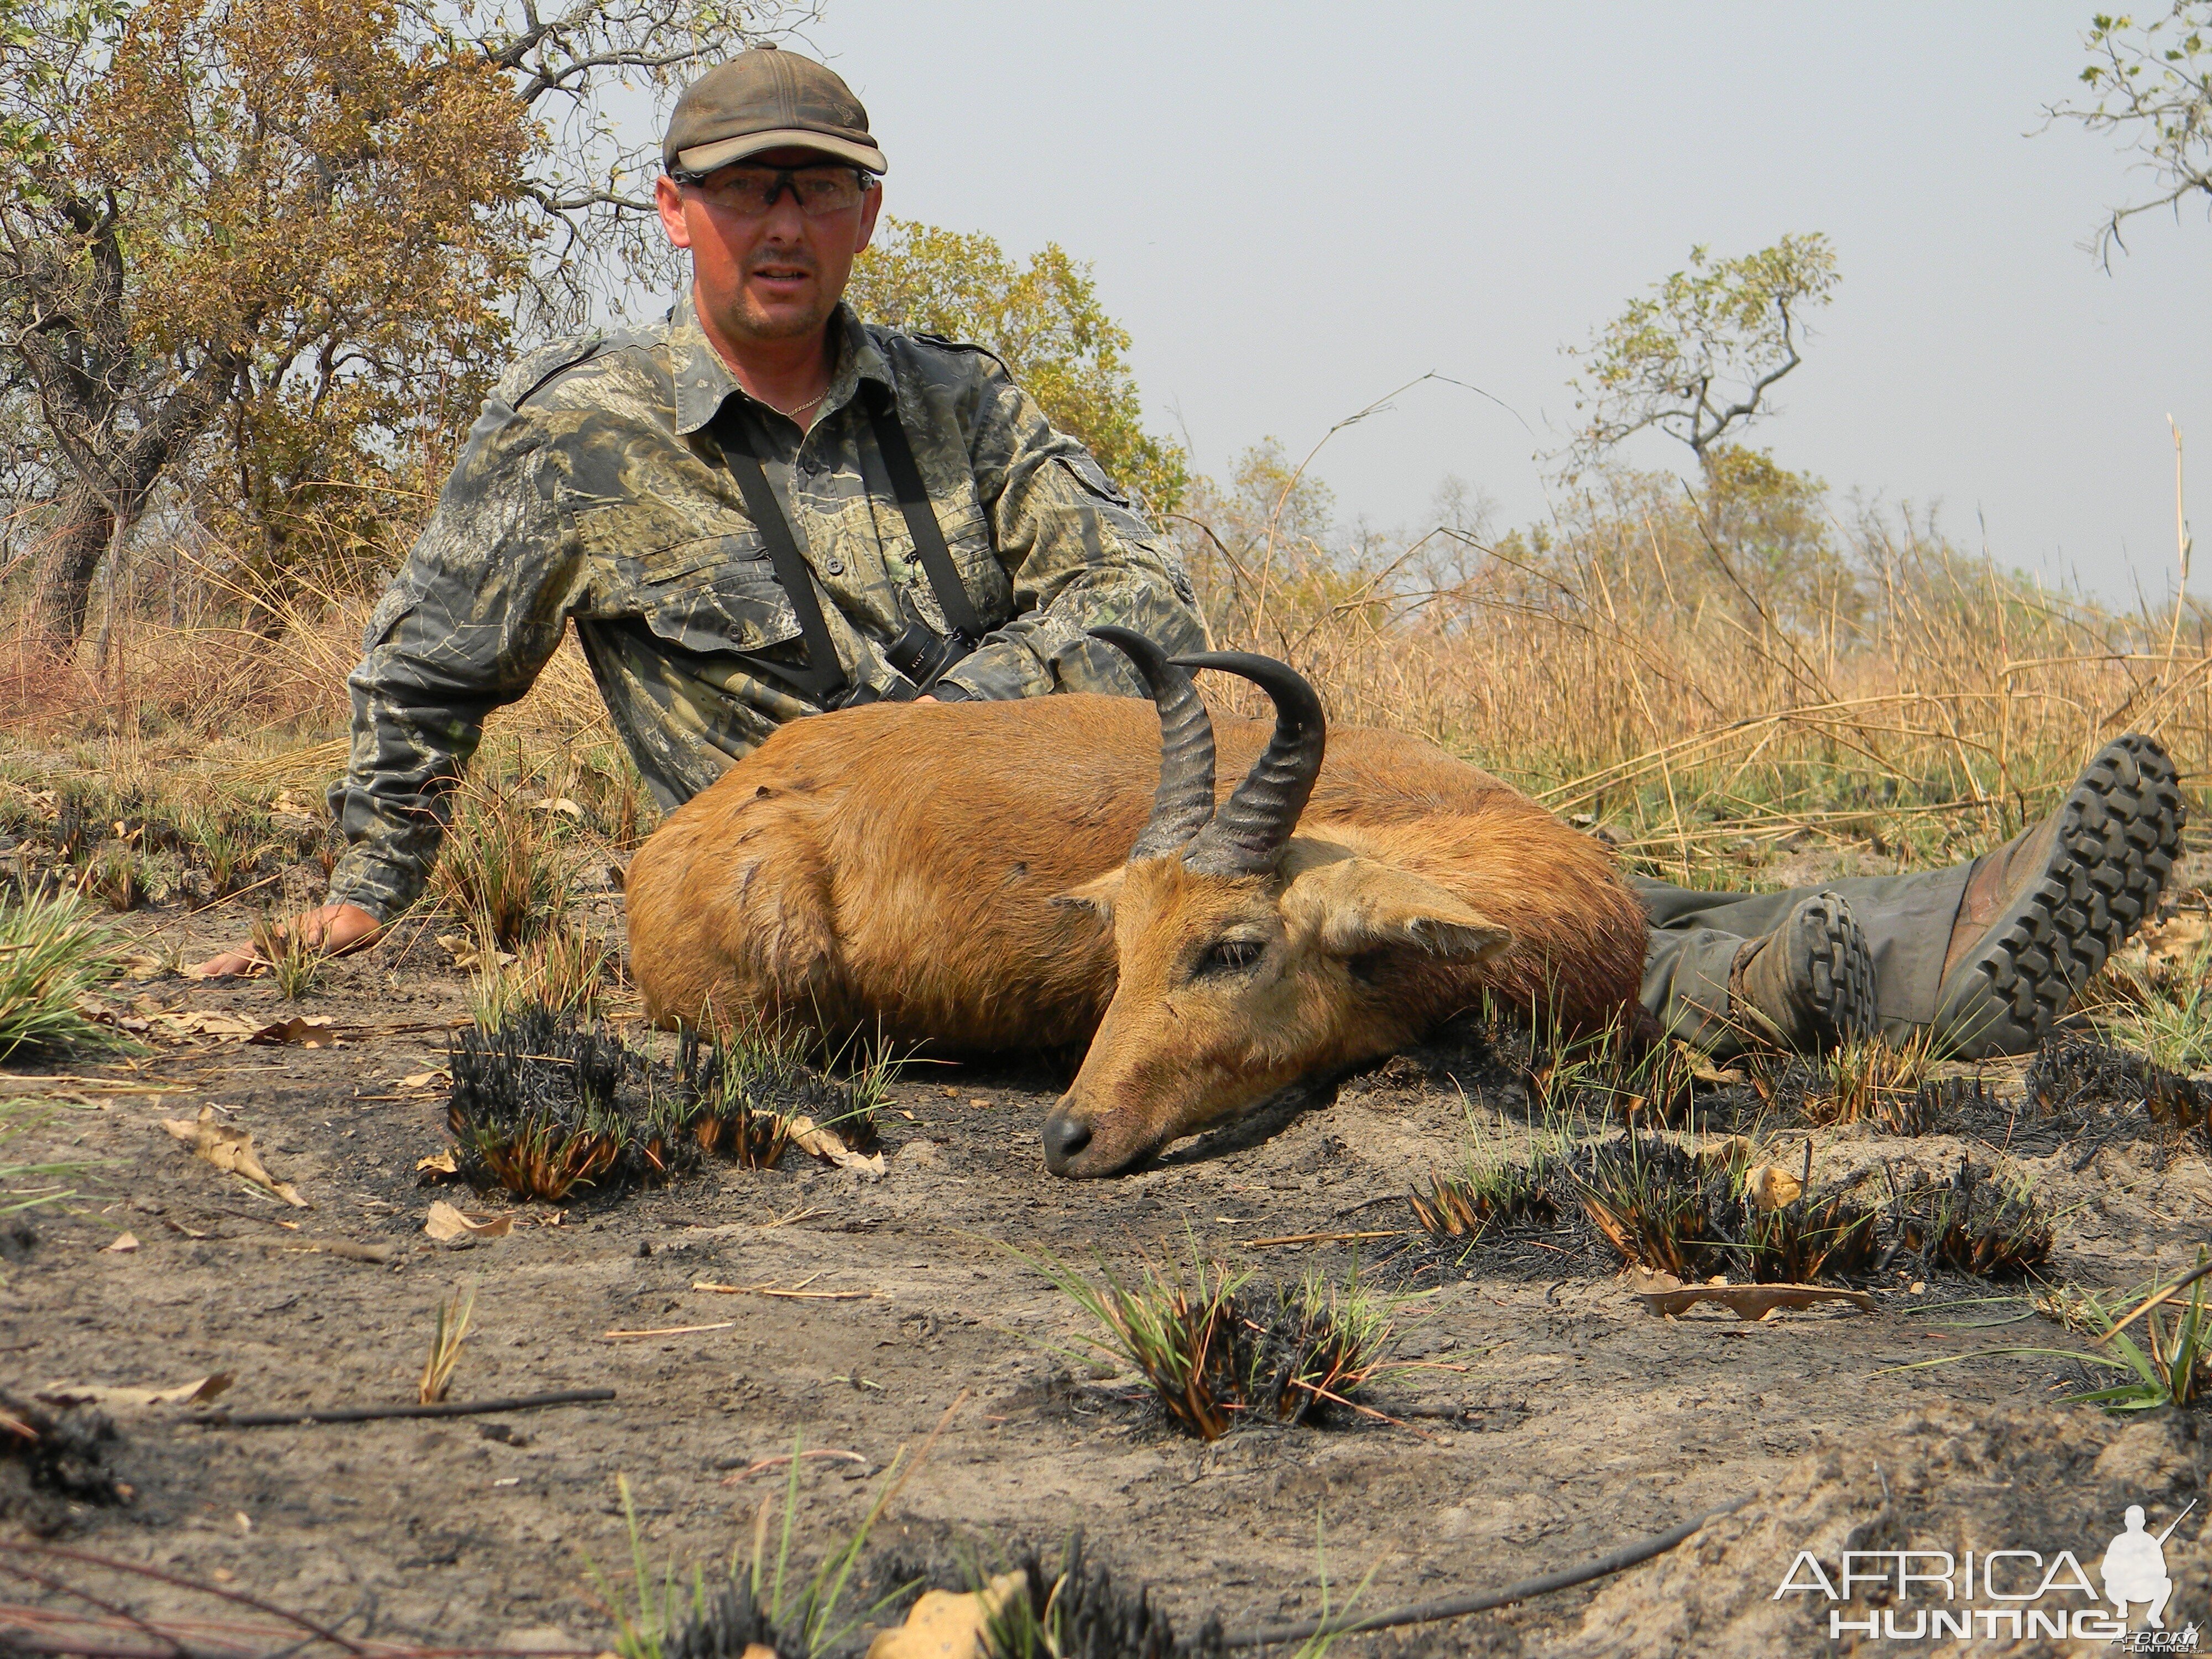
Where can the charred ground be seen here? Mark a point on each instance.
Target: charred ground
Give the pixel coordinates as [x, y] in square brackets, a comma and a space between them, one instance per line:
[1547, 1417]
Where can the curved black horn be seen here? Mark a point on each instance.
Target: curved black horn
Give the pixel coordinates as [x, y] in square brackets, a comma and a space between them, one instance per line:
[1248, 832]
[1185, 799]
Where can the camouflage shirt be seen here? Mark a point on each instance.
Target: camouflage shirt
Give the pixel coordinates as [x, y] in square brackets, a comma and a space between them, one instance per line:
[589, 490]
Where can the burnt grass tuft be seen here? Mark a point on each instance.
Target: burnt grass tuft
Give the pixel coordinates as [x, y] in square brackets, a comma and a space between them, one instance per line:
[545, 1104]
[2070, 1074]
[1219, 1350]
[1648, 1201]
[1975, 1223]
[51, 1460]
[1071, 1608]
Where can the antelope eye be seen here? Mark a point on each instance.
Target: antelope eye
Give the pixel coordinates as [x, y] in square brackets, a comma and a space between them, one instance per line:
[1232, 955]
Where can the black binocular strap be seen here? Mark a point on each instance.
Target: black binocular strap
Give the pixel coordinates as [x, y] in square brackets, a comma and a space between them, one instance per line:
[920, 519]
[823, 677]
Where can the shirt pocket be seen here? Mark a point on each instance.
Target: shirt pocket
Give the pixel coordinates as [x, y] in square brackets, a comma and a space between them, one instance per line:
[966, 532]
[1092, 476]
[702, 592]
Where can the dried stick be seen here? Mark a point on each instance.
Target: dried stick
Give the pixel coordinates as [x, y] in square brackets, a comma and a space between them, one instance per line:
[377, 1413]
[53, 1551]
[1423, 1613]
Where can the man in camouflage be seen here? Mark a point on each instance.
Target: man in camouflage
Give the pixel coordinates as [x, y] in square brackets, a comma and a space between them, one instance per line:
[594, 488]
[613, 483]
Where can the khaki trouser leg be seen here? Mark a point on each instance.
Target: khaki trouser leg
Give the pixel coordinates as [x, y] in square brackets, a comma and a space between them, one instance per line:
[1695, 937]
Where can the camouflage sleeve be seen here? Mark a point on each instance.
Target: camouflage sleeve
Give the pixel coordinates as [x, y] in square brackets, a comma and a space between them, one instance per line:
[1079, 554]
[465, 626]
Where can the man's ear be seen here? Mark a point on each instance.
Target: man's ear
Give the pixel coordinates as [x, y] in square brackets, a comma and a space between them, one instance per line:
[1349, 905]
[1097, 896]
[668, 201]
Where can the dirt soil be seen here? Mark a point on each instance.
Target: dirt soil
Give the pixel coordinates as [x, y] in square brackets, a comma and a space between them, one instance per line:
[1554, 1419]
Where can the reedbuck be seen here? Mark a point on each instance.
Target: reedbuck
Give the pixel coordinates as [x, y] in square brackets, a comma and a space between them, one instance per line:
[987, 876]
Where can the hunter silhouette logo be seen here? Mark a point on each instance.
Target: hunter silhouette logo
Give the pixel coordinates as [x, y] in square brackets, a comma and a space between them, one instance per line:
[2134, 1568]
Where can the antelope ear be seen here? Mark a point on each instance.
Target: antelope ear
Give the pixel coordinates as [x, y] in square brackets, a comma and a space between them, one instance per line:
[1097, 896]
[1349, 905]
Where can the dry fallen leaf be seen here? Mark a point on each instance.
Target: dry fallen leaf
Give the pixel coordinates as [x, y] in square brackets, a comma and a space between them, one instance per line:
[2172, 942]
[944, 1626]
[306, 1033]
[810, 1137]
[232, 1152]
[94, 1394]
[562, 804]
[444, 1222]
[439, 1166]
[425, 1079]
[124, 1244]
[1719, 1154]
[1750, 1301]
[1770, 1186]
[1703, 1069]
[469, 955]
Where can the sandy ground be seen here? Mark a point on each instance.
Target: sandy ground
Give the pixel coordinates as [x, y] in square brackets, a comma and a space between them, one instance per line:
[1553, 1419]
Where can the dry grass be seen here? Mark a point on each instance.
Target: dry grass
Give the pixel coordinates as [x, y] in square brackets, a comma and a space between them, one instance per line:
[1871, 1079]
[452, 1329]
[1640, 663]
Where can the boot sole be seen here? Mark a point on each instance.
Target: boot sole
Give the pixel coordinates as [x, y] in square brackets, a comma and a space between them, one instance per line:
[2116, 844]
[1840, 966]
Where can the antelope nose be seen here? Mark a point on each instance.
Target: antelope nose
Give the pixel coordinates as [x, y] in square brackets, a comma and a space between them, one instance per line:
[1065, 1135]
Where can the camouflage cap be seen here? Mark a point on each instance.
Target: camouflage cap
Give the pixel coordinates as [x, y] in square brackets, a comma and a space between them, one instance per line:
[766, 100]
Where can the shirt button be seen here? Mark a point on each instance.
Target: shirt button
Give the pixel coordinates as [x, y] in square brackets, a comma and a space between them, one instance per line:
[836, 567]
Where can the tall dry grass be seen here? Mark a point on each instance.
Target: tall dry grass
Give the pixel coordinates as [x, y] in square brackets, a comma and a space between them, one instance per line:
[1711, 693]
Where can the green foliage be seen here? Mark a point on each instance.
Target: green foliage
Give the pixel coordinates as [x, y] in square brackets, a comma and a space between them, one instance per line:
[1044, 321]
[1697, 357]
[2160, 1003]
[2152, 84]
[53, 953]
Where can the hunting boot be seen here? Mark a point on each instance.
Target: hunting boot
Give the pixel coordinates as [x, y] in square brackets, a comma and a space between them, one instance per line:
[1809, 985]
[2043, 912]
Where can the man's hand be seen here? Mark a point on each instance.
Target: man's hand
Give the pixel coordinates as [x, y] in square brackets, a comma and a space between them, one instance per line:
[335, 928]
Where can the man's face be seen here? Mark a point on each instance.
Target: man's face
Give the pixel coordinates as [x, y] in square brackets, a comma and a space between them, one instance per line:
[766, 275]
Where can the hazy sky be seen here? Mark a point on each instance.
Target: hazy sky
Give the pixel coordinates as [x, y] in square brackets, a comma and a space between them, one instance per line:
[1294, 209]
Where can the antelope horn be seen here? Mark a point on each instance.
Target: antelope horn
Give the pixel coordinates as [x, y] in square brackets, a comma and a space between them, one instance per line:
[1247, 833]
[1185, 799]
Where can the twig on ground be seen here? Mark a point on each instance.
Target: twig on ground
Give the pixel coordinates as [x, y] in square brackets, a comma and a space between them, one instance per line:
[782, 1458]
[713, 1289]
[376, 1413]
[55, 1552]
[1323, 1238]
[1423, 1613]
[669, 1330]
